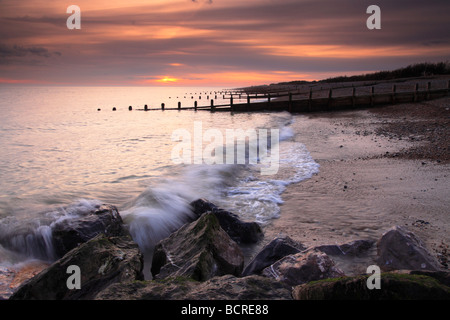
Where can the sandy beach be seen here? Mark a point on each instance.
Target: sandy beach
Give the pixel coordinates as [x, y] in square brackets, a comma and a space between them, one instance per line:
[379, 168]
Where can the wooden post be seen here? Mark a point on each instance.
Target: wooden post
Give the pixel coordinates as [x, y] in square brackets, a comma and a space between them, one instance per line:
[195, 105]
[371, 96]
[179, 105]
[353, 96]
[162, 106]
[330, 94]
[310, 99]
[145, 107]
[231, 103]
[290, 102]
[212, 105]
[130, 108]
[268, 98]
[416, 89]
[248, 99]
[394, 90]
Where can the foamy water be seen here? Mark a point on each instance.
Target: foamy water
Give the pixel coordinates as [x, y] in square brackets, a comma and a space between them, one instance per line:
[61, 157]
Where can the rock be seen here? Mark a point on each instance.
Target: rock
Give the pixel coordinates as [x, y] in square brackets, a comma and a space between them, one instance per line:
[247, 288]
[201, 206]
[27, 271]
[400, 249]
[271, 253]
[6, 277]
[303, 267]
[199, 250]
[227, 287]
[69, 233]
[441, 276]
[353, 249]
[394, 285]
[239, 231]
[102, 261]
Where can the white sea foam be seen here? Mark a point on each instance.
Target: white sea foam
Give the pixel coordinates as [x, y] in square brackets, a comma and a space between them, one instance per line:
[241, 189]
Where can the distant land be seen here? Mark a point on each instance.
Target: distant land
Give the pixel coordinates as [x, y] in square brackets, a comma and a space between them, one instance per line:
[424, 69]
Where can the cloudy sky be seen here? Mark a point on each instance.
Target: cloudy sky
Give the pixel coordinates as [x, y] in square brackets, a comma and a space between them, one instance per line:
[214, 42]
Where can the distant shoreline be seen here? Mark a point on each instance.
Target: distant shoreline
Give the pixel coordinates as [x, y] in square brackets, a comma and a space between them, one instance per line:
[418, 71]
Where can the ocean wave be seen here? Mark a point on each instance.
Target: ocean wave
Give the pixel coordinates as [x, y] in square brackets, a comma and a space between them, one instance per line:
[31, 237]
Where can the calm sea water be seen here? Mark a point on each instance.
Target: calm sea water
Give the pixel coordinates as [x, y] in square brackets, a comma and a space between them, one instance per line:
[60, 155]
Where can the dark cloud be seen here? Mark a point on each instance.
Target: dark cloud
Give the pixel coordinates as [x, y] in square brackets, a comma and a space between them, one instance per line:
[19, 51]
[25, 56]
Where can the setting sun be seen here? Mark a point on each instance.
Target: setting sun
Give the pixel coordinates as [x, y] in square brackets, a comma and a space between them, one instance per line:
[167, 80]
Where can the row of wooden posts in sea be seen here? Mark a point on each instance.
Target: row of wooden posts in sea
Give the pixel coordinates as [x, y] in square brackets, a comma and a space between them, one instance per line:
[284, 101]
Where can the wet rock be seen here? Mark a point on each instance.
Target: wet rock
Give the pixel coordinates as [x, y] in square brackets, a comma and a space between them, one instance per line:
[303, 267]
[400, 249]
[403, 285]
[272, 252]
[201, 206]
[199, 250]
[27, 271]
[352, 249]
[239, 231]
[6, 277]
[83, 226]
[227, 287]
[102, 261]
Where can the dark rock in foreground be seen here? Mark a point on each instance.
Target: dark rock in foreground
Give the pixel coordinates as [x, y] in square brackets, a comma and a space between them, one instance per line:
[69, 233]
[201, 261]
[271, 253]
[102, 261]
[199, 250]
[394, 286]
[353, 249]
[303, 267]
[227, 287]
[239, 231]
[400, 249]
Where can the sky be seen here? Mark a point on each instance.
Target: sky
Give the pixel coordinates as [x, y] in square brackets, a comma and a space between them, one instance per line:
[225, 43]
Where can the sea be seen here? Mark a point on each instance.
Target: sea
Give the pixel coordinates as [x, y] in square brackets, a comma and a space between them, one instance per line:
[65, 150]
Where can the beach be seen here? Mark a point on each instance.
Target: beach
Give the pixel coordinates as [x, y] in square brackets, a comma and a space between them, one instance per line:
[379, 167]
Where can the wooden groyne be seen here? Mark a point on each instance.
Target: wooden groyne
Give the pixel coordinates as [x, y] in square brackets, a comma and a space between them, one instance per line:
[327, 98]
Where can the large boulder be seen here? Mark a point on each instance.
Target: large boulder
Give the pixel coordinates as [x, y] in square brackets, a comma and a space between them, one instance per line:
[239, 231]
[102, 261]
[227, 287]
[199, 250]
[82, 226]
[400, 249]
[303, 267]
[393, 285]
[355, 248]
[271, 253]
